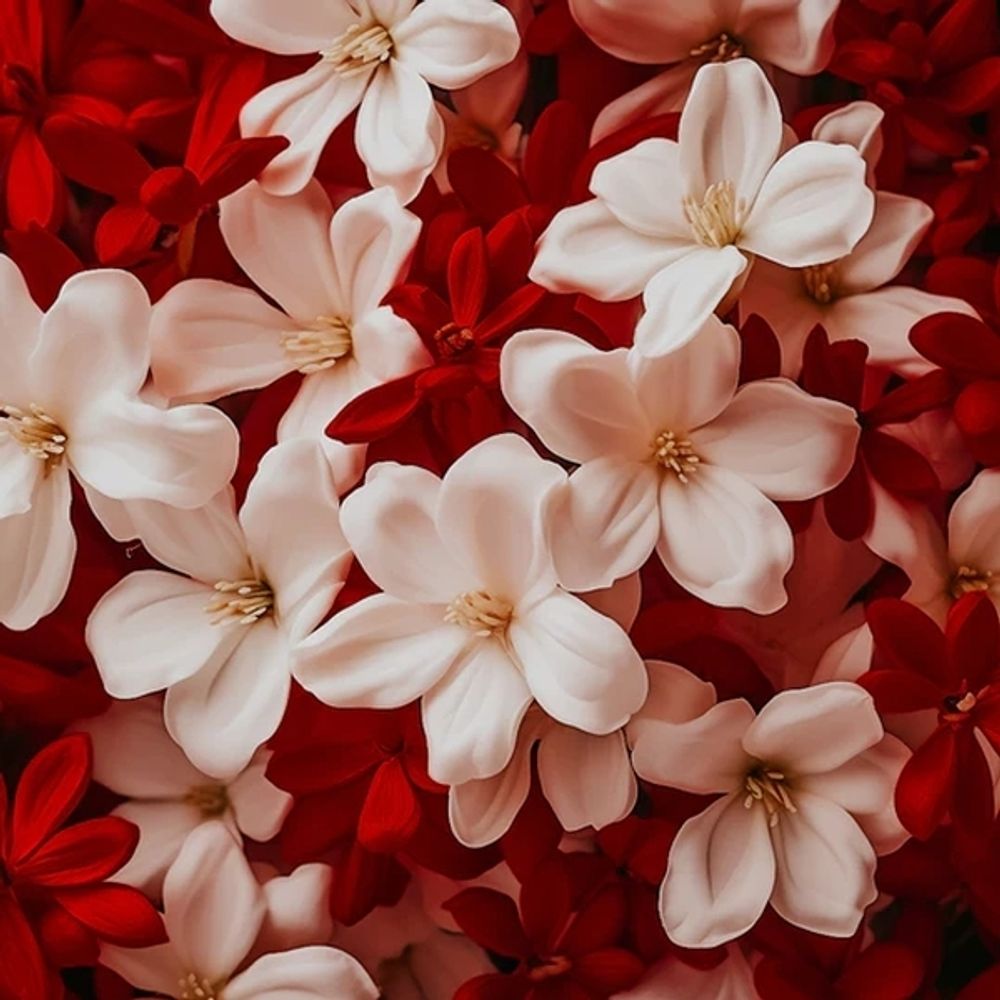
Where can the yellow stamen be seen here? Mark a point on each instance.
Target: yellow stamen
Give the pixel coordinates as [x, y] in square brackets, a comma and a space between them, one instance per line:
[717, 219]
[320, 346]
[968, 580]
[242, 602]
[675, 455]
[723, 48]
[821, 282]
[481, 612]
[359, 48]
[38, 434]
[767, 786]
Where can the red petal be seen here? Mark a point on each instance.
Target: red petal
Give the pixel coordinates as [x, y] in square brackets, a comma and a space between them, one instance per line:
[46, 263]
[849, 506]
[50, 789]
[983, 987]
[907, 639]
[556, 145]
[789, 979]
[492, 986]
[972, 804]
[509, 313]
[924, 789]
[972, 633]
[899, 467]
[315, 768]
[124, 234]
[391, 811]
[35, 191]
[87, 852]
[598, 925]
[377, 412]
[884, 971]
[608, 971]
[546, 903]
[236, 164]
[468, 278]
[977, 413]
[25, 976]
[484, 184]
[172, 195]
[959, 343]
[908, 401]
[761, 354]
[900, 691]
[490, 919]
[118, 914]
[365, 881]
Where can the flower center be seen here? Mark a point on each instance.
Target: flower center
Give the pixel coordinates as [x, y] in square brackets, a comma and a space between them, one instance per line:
[675, 455]
[821, 282]
[242, 602]
[722, 48]
[210, 800]
[956, 707]
[717, 219]
[480, 612]
[550, 968]
[359, 48]
[968, 580]
[320, 346]
[36, 432]
[452, 339]
[767, 786]
[193, 987]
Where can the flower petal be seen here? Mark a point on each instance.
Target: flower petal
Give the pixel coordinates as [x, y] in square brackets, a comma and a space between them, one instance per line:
[19, 476]
[288, 28]
[163, 828]
[312, 973]
[387, 347]
[20, 326]
[973, 527]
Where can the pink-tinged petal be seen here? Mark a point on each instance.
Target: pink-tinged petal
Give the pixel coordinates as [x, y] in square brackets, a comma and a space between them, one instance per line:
[19, 475]
[620, 602]
[163, 828]
[663, 93]
[632, 185]
[681, 299]
[213, 904]
[825, 867]
[815, 729]
[259, 808]
[580, 665]
[668, 979]
[897, 227]
[302, 553]
[283, 244]
[604, 523]
[320, 398]
[588, 780]
[452, 43]
[692, 385]
[399, 133]
[730, 130]
[211, 339]
[724, 541]
[790, 445]
[389, 523]
[675, 695]
[813, 207]
[305, 109]
[390, 12]
[157, 970]
[312, 973]
[492, 515]
[39, 548]
[798, 37]
[973, 525]
[387, 347]
[20, 325]
[298, 910]
[151, 631]
[719, 875]
[224, 712]
[580, 401]
[288, 28]
[131, 450]
[471, 716]
[372, 237]
[703, 755]
[859, 124]
[587, 249]
[379, 653]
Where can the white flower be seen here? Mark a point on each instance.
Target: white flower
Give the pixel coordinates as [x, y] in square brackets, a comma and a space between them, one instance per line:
[168, 796]
[70, 405]
[680, 221]
[472, 619]
[381, 56]
[675, 456]
[220, 638]
[328, 272]
[215, 912]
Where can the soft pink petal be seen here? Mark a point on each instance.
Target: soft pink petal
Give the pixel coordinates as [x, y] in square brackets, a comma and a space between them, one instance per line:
[258, 807]
[286, 27]
[321, 397]
[163, 828]
[973, 525]
[313, 973]
[859, 124]
[662, 93]
[157, 969]
[675, 696]
[798, 37]
[298, 910]
[20, 324]
[19, 474]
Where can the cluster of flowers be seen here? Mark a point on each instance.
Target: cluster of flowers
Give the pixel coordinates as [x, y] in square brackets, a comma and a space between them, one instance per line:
[499, 499]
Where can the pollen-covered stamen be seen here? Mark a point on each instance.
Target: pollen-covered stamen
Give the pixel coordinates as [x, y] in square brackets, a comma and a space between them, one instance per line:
[549, 968]
[723, 48]
[36, 432]
[240, 602]
[194, 987]
[320, 346]
[359, 48]
[821, 282]
[767, 786]
[480, 612]
[717, 219]
[210, 800]
[969, 580]
[675, 454]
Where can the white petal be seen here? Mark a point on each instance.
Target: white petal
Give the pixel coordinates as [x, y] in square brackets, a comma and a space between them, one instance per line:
[720, 874]
[580, 401]
[313, 973]
[298, 909]
[39, 548]
[399, 133]
[301, 552]
[825, 868]
[724, 541]
[151, 630]
[790, 445]
[306, 109]
[620, 602]
[681, 299]
[814, 206]
[859, 124]
[380, 653]
[20, 325]
[973, 525]
[452, 43]
[797, 37]
[389, 12]
[163, 828]
[386, 346]
[389, 523]
[19, 474]
[211, 339]
[587, 249]
[675, 695]
[730, 129]
[213, 904]
[157, 969]
[259, 808]
[320, 398]
[588, 780]
[223, 713]
[472, 715]
[580, 665]
[283, 244]
[286, 27]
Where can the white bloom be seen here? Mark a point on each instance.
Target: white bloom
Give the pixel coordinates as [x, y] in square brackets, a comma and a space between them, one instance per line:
[681, 221]
[381, 56]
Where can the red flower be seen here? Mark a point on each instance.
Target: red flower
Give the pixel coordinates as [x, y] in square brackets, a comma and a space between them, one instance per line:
[55, 905]
[956, 673]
